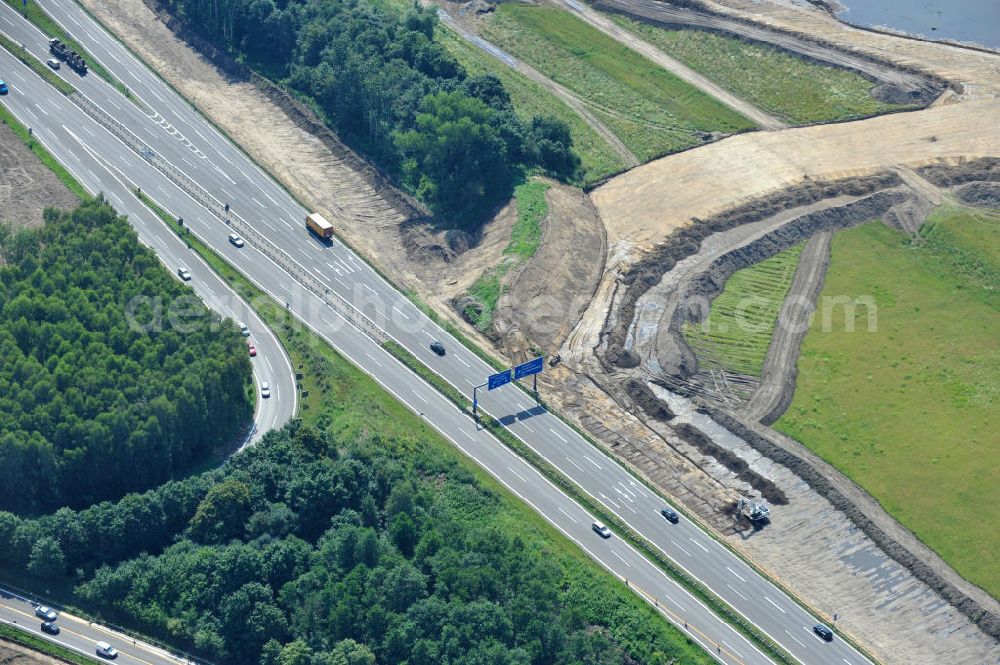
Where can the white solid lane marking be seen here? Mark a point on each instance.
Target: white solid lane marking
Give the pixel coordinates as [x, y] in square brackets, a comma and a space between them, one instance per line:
[705, 549]
[735, 573]
[795, 638]
[587, 457]
[459, 359]
[568, 515]
[422, 398]
[738, 654]
[558, 435]
[775, 604]
[518, 475]
[741, 595]
[620, 557]
[574, 464]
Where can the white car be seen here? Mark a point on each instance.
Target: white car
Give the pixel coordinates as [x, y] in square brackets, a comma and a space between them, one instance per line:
[601, 530]
[236, 240]
[105, 650]
[265, 390]
[244, 330]
[184, 274]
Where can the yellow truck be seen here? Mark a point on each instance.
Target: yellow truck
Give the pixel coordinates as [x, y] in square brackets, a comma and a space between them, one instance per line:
[316, 223]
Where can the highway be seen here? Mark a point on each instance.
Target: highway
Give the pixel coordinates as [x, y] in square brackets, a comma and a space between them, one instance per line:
[179, 135]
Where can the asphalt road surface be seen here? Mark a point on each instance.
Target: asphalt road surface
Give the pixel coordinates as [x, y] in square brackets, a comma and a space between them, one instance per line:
[191, 144]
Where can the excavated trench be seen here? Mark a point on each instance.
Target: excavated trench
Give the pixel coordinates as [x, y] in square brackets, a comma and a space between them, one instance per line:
[634, 359]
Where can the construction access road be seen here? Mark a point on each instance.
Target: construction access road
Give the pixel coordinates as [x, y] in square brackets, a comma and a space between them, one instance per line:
[172, 133]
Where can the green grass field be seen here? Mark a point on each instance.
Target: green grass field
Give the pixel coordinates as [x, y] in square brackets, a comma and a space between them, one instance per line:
[597, 159]
[652, 111]
[740, 324]
[793, 88]
[911, 412]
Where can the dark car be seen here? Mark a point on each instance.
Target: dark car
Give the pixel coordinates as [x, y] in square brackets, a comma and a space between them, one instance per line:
[3, 88]
[670, 515]
[437, 347]
[50, 628]
[45, 613]
[823, 632]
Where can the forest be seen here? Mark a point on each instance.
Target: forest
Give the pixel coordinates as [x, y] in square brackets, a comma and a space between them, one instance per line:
[394, 94]
[91, 406]
[310, 550]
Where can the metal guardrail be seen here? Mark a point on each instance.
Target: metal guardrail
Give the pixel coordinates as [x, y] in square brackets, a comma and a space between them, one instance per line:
[237, 223]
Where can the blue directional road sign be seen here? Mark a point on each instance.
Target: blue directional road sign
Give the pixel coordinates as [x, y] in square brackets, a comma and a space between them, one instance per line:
[499, 379]
[527, 369]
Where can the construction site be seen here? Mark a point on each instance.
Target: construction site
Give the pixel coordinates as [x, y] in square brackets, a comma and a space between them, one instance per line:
[630, 265]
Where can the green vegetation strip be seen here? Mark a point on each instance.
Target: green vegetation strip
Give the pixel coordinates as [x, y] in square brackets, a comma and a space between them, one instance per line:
[799, 90]
[920, 392]
[575, 492]
[36, 65]
[740, 324]
[42, 645]
[48, 26]
[597, 159]
[652, 111]
[44, 156]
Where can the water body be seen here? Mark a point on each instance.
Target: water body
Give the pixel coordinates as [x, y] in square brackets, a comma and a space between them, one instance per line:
[976, 21]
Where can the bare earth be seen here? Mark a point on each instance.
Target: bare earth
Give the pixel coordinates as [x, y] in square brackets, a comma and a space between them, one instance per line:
[26, 186]
[15, 654]
[642, 206]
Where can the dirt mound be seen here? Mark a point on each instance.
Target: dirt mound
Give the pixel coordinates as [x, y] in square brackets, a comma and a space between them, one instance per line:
[980, 194]
[771, 492]
[654, 407]
[546, 297]
[949, 175]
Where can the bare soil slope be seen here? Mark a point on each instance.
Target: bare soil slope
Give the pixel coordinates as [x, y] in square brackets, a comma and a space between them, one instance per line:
[642, 206]
[15, 654]
[26, 185]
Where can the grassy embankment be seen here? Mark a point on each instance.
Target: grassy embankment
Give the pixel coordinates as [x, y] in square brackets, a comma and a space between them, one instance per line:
[652, 111]
[44, 22]
[524, 239]
[597, 159]
[795, 89]
[741, 321]
[911, 411]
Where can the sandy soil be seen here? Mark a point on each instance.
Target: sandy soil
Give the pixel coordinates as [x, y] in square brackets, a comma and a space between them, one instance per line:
[26, 186]
[15, 654]
[642, 206]
[546, 298]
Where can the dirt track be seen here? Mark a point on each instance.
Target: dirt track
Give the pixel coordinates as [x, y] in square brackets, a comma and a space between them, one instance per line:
[777, 382]
[446, 10]
[905, 85]
[758, 116]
